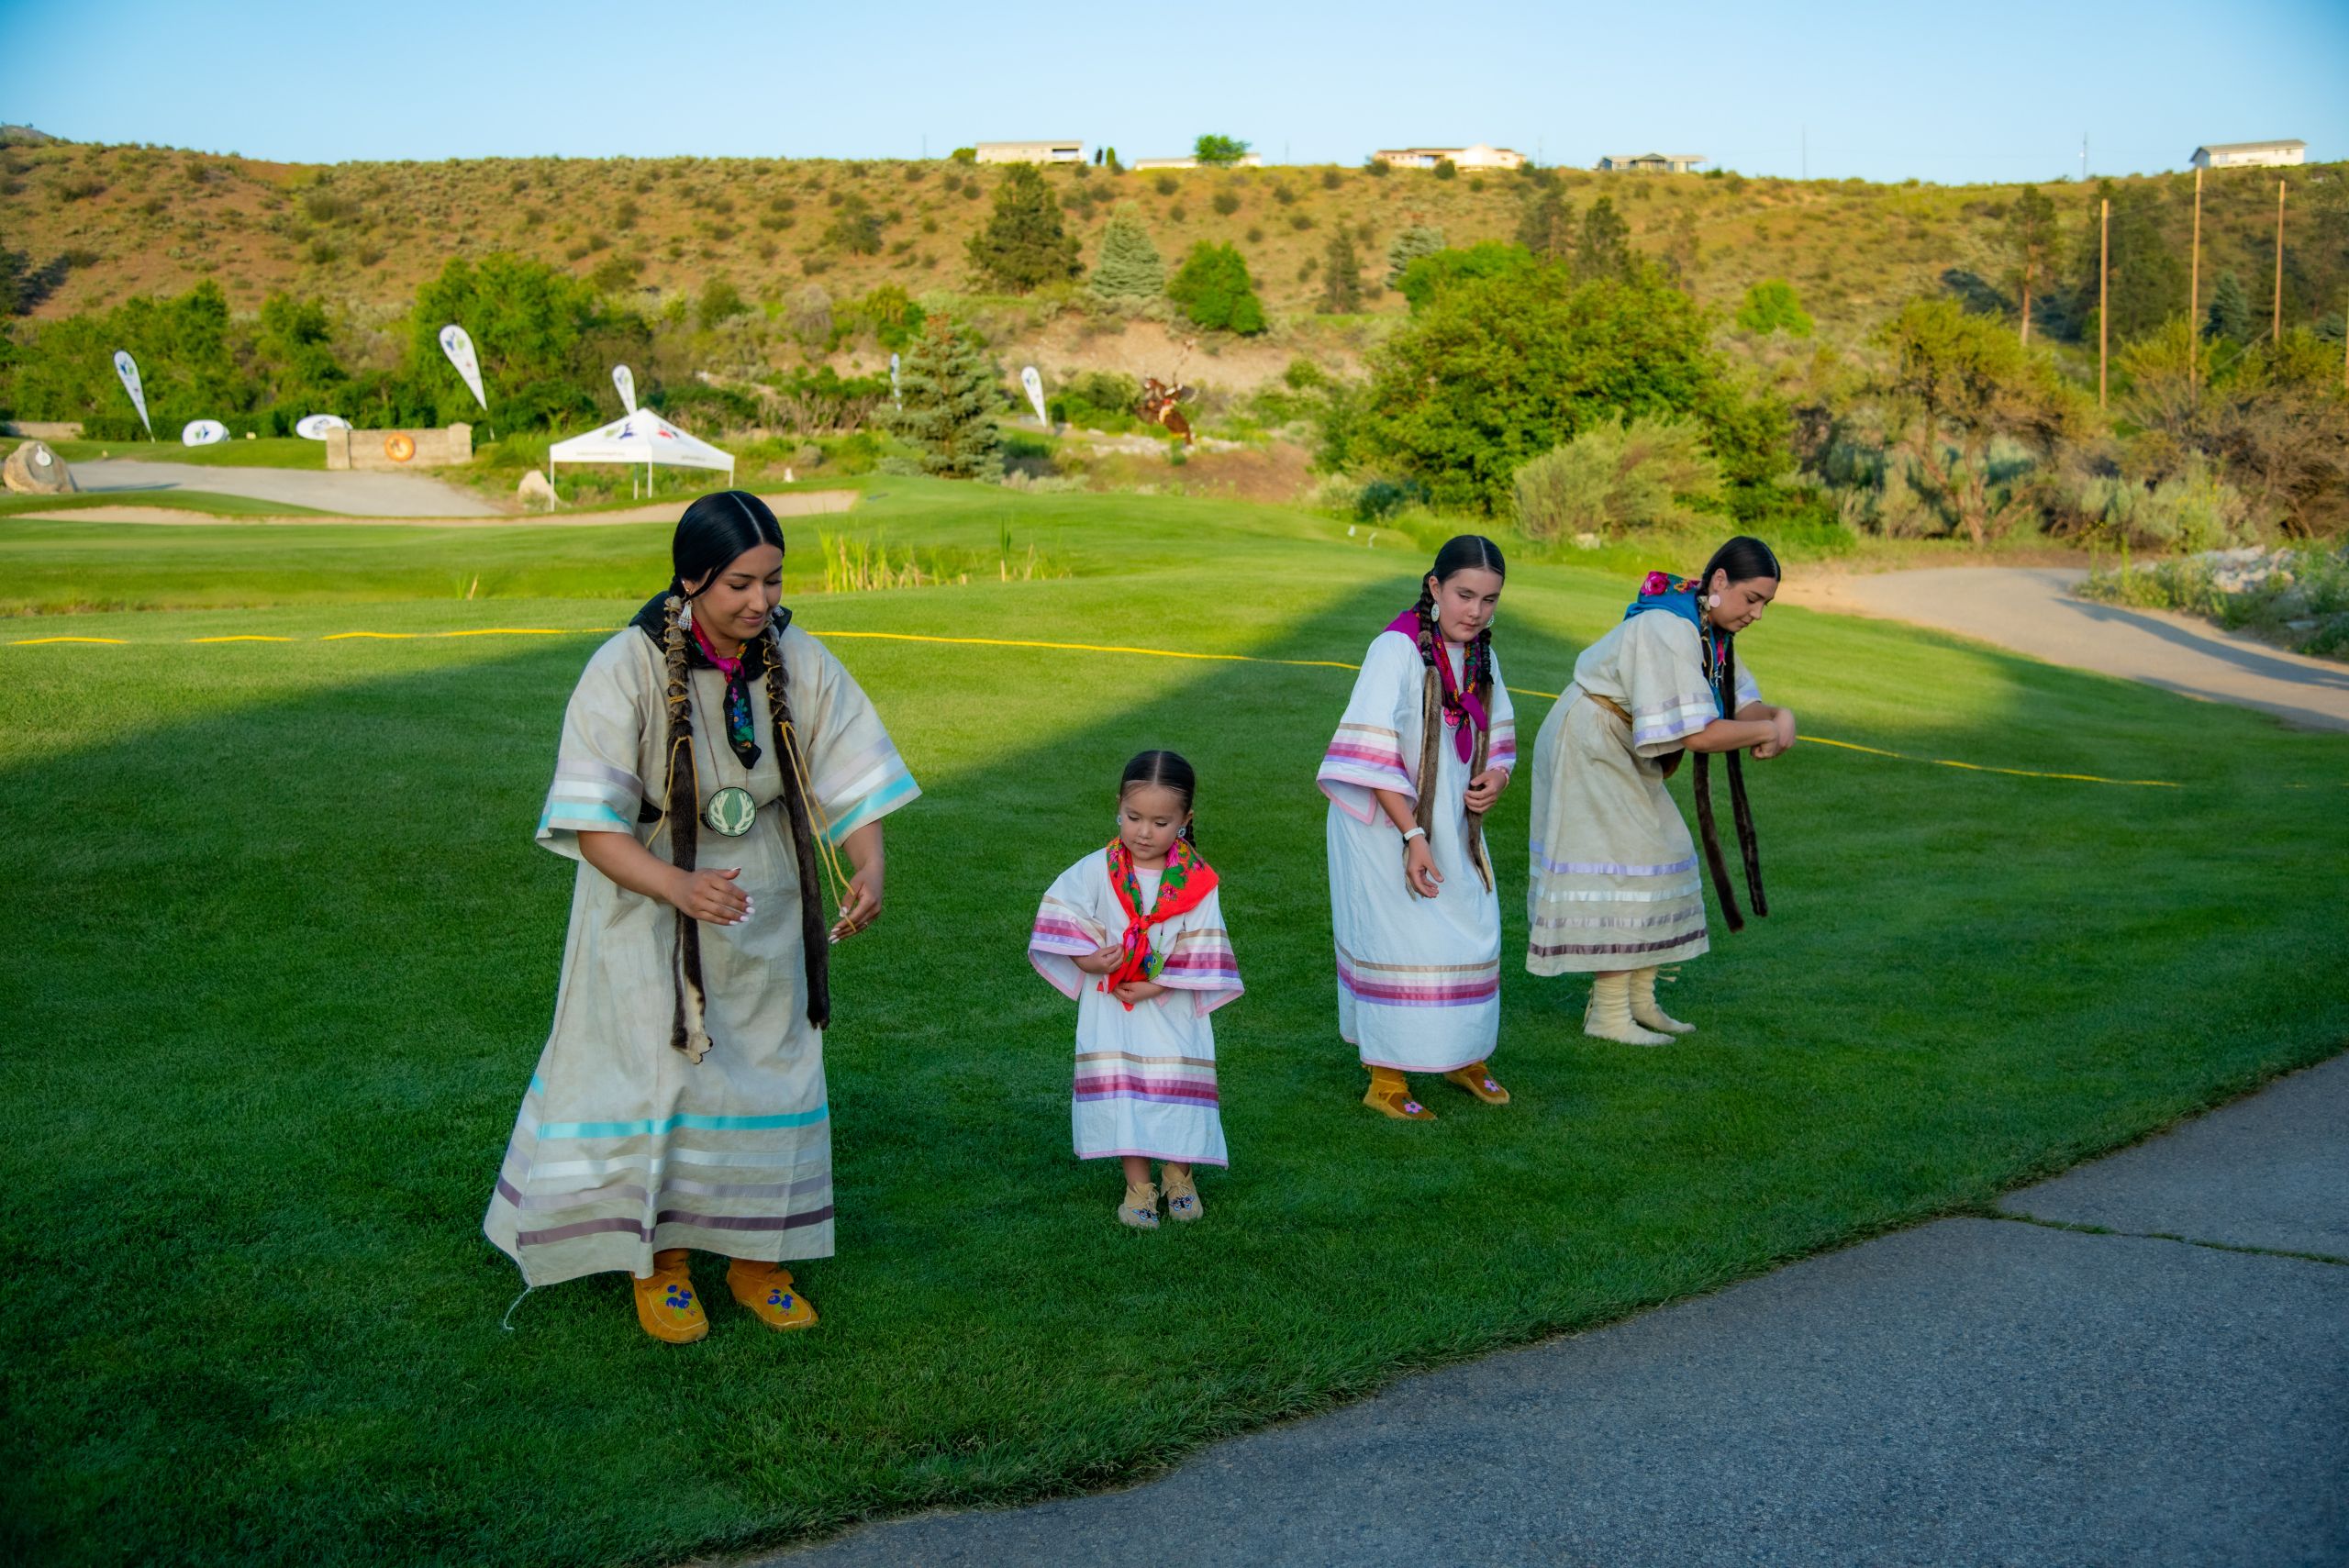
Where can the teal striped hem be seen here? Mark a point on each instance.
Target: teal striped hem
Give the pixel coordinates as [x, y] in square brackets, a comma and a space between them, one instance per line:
[579, 814]
[896, 793]
[671, 1124]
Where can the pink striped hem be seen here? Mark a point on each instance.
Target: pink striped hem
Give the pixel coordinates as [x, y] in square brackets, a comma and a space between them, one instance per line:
[1391, 994]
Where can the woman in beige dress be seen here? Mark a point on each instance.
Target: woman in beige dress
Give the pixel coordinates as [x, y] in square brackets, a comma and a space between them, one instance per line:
[1614, 892]
[714, 757]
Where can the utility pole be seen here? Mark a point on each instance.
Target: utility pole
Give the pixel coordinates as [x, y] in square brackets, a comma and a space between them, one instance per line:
[2194, 296]
[2103, 280]
[2084, 158]
[2276, 331]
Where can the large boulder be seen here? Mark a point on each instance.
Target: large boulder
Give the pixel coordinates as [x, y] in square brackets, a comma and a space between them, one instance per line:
[534, 489]
[34, 469]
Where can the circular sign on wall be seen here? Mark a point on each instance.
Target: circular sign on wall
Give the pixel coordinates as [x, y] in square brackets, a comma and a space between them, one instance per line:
[203, 432]
[399, 446]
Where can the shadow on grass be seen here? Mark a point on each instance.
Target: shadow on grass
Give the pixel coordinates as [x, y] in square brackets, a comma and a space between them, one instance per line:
[292, 963]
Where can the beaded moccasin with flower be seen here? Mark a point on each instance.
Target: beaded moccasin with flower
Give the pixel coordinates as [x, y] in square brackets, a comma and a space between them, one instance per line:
[667, 1306]
[1182, 1196]
[1390, 1095]
[1478, 1081]
[767, 1294]
[1138, 1208]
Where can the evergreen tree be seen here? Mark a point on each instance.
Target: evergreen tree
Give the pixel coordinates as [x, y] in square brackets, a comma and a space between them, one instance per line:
[2031, 232]
[1215, 291]
[1420, 240]
[1024, 244]
[950, 392]
[2230, 315]
[1130, 266]
[1340, 275]
[1605, 251]
[2148, 280]
[1547, 226]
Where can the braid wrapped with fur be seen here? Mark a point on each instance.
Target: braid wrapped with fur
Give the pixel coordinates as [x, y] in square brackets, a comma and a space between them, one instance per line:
[688, 1031]
[815, 935]
[1725, 684]
[1479, 663]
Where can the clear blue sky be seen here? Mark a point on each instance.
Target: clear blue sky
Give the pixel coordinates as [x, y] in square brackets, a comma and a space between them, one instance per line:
[2002, 90]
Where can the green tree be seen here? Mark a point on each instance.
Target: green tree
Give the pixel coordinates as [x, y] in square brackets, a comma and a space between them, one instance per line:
[2031, 237]
[950, 392]
[2229, 315]
[542, 336]
[1424, 278]
[1960, 380]
[2148, 280]
[1340, 274]
[1024, 244]
[1216, 292]
[1218, 151]
[1771, 306]
[1497, 371]
[1130, 265]
[1420, 240]
[1605, 249]
[896, 317]
[1546, 228]
[720, 301]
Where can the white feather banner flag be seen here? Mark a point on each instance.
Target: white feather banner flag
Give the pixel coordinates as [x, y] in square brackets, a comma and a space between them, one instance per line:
[458, 344]
[1035, 385]
[127, 368]
[624, 379]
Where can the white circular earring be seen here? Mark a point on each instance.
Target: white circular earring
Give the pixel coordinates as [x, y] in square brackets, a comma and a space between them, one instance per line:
[1714, 600]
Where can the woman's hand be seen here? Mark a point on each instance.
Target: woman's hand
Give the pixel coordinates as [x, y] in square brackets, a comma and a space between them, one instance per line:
[1102, 960]
[1782, 721]
[862, 906]
[1420, 874]
[1134, 991]
[1485, 788]
[711, 895]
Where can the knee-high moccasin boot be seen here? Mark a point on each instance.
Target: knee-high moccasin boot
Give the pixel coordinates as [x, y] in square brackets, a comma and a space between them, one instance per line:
[1645, 1010]
[1609, 1014]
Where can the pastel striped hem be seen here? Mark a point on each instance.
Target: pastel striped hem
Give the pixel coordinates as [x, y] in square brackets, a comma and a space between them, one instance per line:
[564, 1131]
[1682, 716]
[1155, 1091]
[1608, 868]
[636, 1194]
[1222, 1164]
[1417, 1067]
[1446, 985]
[643, 1233]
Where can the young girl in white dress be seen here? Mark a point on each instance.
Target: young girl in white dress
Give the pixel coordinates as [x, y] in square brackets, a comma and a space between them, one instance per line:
[1133, 933]
[1424, 750]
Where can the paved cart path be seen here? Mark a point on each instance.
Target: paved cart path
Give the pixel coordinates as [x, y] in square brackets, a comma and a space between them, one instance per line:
[2013, 1390]
[2030, 610]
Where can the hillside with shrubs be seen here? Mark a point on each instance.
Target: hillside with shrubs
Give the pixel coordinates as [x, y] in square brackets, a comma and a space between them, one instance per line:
[1566, 354]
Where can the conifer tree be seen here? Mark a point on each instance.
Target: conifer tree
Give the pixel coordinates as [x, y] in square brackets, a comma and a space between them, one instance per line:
[1408, 247]
[1547, 227]
[950, 392]
[2229, 315]
[1024, 244]
[1340, 275]
[1606, 248]
[2031, 230]
[1129, 266]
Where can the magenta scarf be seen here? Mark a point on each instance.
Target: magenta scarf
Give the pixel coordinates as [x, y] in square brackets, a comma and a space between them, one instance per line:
[1461, 709]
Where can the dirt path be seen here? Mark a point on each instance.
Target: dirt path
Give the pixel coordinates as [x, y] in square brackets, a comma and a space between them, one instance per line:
[789, 504]
[2031, 610]
[360, 495]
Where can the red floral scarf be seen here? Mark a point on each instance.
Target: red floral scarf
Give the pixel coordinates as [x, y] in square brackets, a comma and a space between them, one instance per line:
[1184, 886]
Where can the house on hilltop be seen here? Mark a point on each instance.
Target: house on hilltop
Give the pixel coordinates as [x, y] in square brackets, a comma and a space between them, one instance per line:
[1652, 162]
[1066, 150]
[1467, 159]
[2249, 154]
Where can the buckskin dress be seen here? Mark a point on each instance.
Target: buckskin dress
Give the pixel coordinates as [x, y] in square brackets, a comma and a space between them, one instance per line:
[624, 1147]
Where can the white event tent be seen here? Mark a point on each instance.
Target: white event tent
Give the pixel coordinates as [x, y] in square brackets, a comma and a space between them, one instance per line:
[642, 438]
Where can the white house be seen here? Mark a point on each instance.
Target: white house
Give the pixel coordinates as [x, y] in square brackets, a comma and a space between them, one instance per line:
[1652, 163]
[2249, 154]
[1064, 151]
[1466, 159]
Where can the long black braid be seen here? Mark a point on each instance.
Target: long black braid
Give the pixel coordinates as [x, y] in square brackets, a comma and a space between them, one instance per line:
[1742, 558]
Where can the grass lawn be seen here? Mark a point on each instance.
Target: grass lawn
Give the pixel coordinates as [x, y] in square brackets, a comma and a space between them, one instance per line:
[285, 953]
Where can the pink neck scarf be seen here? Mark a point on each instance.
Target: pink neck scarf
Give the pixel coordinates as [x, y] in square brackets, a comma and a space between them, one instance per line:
[1461, 709]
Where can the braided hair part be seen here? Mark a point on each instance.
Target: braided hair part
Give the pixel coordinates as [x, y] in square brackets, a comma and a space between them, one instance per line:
[688, 1030]
[1464, 552]
[1169, 771]
[1742, 559]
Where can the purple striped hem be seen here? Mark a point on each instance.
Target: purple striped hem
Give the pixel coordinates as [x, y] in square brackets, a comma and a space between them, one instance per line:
[1464, 996]
[1556, 949]
[1610, 868]
[673, 1216]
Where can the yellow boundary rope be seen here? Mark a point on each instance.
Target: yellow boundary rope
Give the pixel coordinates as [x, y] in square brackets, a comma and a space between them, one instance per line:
[1087, 648]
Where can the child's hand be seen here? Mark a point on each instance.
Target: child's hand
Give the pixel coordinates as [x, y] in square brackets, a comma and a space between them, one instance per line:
[1102, 960]
[1485, 788]
[1134, 991]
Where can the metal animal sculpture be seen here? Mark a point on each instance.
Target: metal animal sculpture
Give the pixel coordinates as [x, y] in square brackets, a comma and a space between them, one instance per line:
[1160, 407]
